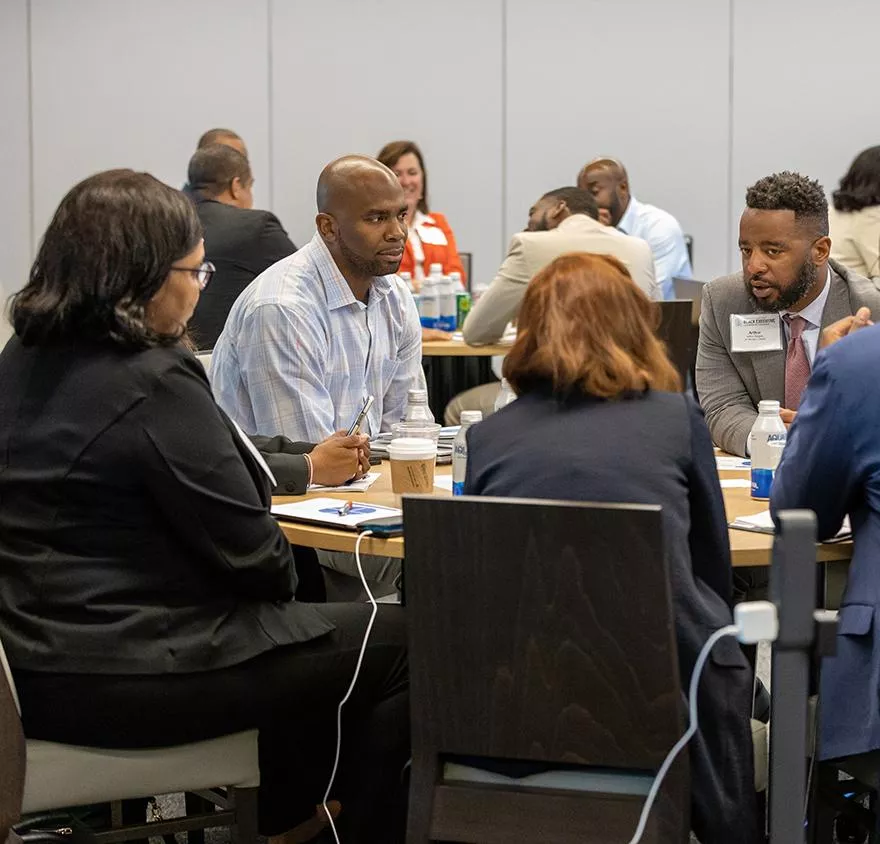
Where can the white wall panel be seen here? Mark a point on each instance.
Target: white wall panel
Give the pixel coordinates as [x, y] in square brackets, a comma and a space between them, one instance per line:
[804, 92]
[644, 81]
[350, 76]
[121, 83]
[15, 210]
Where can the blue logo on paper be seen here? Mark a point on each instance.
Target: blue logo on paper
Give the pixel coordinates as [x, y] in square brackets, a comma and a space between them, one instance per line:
[356, 510]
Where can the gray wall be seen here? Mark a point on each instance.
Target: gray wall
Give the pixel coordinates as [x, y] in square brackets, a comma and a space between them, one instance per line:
[507, 97]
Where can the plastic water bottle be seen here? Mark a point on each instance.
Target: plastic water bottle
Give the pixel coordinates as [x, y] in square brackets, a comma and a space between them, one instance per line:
[448, 304]
[459, 449]
[505, 395]
[417, 409]
[406, 278]
[456, 281]
[429, 304]
[766, 441]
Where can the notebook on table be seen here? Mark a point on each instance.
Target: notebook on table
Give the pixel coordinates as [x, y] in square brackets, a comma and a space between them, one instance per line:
[763, 523]
[325, 512]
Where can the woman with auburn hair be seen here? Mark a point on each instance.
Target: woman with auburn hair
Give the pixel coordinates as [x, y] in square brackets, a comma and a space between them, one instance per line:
[600, 416]
[430, 240]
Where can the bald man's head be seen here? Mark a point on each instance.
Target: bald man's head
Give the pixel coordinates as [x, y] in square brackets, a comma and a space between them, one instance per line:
[347, 177]
[606, 179]
[362, 216]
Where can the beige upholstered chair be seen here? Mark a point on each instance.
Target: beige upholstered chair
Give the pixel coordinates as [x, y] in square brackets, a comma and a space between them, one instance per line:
[61, 775]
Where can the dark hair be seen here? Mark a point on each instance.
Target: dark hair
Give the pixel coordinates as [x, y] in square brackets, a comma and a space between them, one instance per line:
[213, 168]
[860, 187]
[585, 328]
[213, 136]
[787, 191]
[106, 253]
[392, 152]
[578, 201]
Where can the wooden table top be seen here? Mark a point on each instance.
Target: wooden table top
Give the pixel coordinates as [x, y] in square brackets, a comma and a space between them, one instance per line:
[747, 549]
[460, 349]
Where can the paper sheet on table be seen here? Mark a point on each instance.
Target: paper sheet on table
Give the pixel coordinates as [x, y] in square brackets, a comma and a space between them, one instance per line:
[506, 339]
[736, 483]
[325, 511]
[763, 523]
[729, 463]
[443, 481]
[360, 485]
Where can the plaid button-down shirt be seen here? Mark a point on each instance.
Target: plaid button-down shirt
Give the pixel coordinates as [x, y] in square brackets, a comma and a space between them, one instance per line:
[299, 353]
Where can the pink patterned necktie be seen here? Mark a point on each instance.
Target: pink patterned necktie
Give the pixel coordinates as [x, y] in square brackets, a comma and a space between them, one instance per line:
[797, 362]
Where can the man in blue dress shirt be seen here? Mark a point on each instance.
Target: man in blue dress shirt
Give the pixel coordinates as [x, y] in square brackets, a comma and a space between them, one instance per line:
[606, 179]
[317, 332]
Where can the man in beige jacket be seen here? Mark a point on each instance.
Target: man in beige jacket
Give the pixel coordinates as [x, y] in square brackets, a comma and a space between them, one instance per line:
[563, 220]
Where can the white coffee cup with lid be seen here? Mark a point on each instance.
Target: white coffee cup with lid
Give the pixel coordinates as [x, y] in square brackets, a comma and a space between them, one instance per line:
[412, 464]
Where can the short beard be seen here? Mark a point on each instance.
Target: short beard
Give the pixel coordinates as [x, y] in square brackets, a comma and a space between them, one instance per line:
[362, 265]
[542, 225]
[805, 279]
[615, 209]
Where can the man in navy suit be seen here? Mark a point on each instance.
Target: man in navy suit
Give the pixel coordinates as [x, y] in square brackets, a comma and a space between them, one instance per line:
[831, 465]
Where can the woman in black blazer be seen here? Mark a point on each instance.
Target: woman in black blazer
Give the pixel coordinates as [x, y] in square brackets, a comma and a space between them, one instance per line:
[146, 593]
[600, 417]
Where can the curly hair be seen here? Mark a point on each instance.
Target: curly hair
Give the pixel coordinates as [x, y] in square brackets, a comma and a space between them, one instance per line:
[787, 191]
[860, 187]
[106, 253]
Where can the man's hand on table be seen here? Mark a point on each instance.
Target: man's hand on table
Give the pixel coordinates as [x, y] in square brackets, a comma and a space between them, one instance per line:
[340, 458]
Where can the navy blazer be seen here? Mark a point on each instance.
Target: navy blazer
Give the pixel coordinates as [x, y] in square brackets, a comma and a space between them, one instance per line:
[135, 534]
[651, 448]
[831, 465]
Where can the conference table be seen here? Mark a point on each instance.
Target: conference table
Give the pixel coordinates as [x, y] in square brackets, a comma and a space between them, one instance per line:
[457, 348]
[747, 549]
[452, 366]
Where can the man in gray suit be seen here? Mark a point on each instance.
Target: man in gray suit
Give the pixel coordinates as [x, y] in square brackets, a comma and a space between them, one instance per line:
[784, 243]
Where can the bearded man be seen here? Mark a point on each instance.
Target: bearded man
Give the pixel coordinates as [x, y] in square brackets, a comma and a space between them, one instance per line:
[760, 329]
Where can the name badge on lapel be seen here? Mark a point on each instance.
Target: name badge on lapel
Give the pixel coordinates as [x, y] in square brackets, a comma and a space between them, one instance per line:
[755, 333]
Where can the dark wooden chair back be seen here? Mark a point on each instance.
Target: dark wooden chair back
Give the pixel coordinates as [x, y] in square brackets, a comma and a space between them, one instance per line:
[467, 261]
[540, 634]
[677, 332]
[12, 754]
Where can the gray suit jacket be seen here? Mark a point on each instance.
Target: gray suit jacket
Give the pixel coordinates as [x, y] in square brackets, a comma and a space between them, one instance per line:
[730, 384]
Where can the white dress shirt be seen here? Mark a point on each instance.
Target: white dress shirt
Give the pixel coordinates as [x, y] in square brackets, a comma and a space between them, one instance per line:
[663, 234]
[813, 315]
[299, 353]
